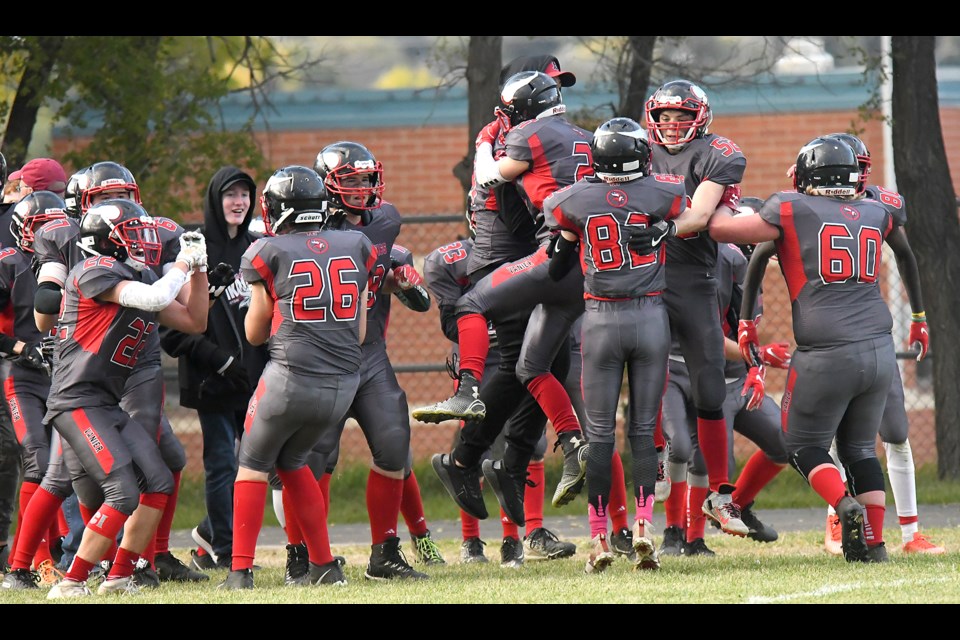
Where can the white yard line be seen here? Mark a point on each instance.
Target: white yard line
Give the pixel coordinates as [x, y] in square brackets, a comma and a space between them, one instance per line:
[839, 588]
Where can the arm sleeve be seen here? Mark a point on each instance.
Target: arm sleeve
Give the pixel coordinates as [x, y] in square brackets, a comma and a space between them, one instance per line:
[156, 296]
[564, 257]
[48, 297]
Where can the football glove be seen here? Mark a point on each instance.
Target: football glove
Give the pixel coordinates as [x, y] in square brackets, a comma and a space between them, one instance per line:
[748, 342]
[31, 357]
[193, 250]
[219, 278]
[407, 277]
[776, 355]
[646, 240]
[919, 337]
[754, 387]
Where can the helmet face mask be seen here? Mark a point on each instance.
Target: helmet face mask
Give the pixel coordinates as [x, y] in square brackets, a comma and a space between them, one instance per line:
[121, 229]
[686, 98]
[104, 177]
[31, 213]
[621, 151]
[527, 94]
[294, 195]
[76, 185]
[352, 175]
[827, 167]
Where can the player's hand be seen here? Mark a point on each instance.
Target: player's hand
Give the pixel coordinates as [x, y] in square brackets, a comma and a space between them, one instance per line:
[505, 124]
[219, 278]
[748, 342]
[776, 355]
[731, 197]
[919, 337]
[407, 277]
[754, 387]
[489, 133]
[48, 345]
[193, 250]
[646, 240]
[31, 357]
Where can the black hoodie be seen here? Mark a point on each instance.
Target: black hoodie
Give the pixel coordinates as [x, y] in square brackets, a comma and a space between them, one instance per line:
[200, 356]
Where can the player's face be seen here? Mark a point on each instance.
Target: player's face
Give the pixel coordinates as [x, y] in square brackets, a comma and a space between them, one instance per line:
[110, 194]
[236, 203]
[356, 181]
[676, 117]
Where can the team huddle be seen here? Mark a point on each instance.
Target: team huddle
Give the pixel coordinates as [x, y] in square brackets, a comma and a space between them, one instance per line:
[628, 248]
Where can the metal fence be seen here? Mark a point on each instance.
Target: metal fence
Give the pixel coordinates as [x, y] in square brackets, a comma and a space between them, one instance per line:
[418, 351]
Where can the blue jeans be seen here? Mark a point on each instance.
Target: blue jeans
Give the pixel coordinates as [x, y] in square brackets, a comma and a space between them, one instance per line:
[221, 430]
[71, 543]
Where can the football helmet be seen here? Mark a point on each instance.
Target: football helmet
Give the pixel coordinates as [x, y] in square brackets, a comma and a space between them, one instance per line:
[527, 94]
[121, 229]
[863, 155]
[342, 160]
[684, 96]
[108, 176]
[827, 167]
[621, 151]
[294, 195]
[31, 213]
[76, 185]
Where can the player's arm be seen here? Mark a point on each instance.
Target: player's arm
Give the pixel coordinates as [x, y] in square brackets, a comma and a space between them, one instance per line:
[564, 254]
[754, 279]
[46, 304]
[910, 275]
[259, 315]
[750, 229]
[363, 313]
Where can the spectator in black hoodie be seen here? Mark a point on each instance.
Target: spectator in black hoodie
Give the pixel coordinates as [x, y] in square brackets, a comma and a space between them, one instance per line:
[219, 369]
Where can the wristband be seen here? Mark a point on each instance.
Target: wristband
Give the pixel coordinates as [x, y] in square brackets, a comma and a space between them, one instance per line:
[919, 317]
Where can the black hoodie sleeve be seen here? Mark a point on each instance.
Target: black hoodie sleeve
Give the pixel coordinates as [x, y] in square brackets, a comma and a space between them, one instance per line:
[202, 352]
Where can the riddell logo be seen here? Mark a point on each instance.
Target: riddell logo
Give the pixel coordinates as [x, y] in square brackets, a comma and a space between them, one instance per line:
[93, 439]
[14, 410]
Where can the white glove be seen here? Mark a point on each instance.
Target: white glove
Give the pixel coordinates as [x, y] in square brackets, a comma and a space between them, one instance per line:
[485, 168]
[193, 250]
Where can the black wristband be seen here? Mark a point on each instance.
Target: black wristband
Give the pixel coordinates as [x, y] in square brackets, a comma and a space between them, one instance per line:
[7, 344]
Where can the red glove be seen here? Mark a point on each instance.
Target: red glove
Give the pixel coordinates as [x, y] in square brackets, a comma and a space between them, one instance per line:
[731, 197]
[489, 133]
[407, 277]
[754, 387]
[920, 336]
[776, 355]
[748, 342]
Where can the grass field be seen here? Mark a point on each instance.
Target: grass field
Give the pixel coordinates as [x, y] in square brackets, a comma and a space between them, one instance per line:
[793, 570]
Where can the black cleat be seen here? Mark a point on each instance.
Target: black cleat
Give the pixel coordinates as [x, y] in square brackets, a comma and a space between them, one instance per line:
[673, 541]
[621, 543]
[853, 538]
[462, 483]
[172, 569]
[425, 550]
[330, 574]
[876, 553]
[758, 530]
[20, 579]
[697, 548]
[542, 544]
[298, 564]
[387, 562]
[465, 404]
[144, 576]
[511, 553]
[509, 486]
[238, 580]
[574, 467]
[472, 551]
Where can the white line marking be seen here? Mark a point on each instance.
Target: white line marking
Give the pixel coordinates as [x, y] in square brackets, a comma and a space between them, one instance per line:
[839, 588]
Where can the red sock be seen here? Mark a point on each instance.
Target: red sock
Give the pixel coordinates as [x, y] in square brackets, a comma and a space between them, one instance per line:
[49, 538]
[123, 564]
[324, 484]
[873, 523]
[27, 489]
[307, 501]
[658, 440]
[553, 399]
[35, 521]
[712, 435]
[510, 530]
[904, 520]
[162, 539]
[469, 526]
[249, 501]
[474, 343]
[756, 474]
[293, 530]
[618, 494]
[828, 484]
[533, 497]
[411, 506]
[696, 521]
[675, 508]
[383, 506]
[63, 529]
[79, 569]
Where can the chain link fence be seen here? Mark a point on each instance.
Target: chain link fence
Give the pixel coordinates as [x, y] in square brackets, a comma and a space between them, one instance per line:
[418, 351]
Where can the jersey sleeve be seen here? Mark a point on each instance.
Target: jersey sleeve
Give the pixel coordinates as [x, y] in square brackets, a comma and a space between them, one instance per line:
[399, 256]
[253, 266]
[725, 164]
[98, 276]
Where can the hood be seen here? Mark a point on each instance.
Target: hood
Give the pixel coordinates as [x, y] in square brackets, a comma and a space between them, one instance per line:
[219, 243]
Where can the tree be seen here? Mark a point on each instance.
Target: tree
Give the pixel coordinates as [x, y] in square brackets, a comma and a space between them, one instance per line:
[923, 177]
[484, 56]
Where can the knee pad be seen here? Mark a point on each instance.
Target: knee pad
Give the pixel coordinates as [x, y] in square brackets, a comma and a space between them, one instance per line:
[809, 458]
[865, 475]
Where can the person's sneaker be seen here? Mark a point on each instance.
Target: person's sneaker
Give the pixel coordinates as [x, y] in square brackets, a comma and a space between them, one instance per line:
[920, 544]
[853, 538]
[237, 580]
[758, 530]
[511, 553]
[719, 506]
[600, 555]
[542, 544]
[472, 551]
[49, 574]
[621, 543]
[673, 541]
[330, 574]
[144, 576]
[120, 586]
[462, 483]
[202, 561]
[68, 589]
[697, 547]
[387, 562]
[425, 550]
[99, 572]
[298, 564]
[574, 474]
[465, 404]
[646, 558]
[661, 490]
[19, 579]
[171, 569]
[831, 539]
[876, 553]
[204, 539]
[509, 486]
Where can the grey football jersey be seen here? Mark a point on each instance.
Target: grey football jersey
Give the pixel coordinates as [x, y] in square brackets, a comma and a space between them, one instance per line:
[20, 285]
